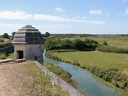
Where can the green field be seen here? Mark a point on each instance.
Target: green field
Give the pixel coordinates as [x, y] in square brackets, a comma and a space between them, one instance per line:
[100, 59]
[117, 41]
[95, 58]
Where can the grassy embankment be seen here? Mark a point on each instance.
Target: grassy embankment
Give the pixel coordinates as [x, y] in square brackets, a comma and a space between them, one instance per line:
[2, 45]
[61, 73]
[41, 84]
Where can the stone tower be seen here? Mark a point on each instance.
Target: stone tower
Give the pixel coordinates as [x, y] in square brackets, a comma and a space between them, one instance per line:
[28, 44]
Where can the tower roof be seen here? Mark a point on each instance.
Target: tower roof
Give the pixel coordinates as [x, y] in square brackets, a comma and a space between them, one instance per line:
[28, 35]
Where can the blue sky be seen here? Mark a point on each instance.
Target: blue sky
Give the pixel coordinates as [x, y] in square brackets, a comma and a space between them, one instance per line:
[65, 16]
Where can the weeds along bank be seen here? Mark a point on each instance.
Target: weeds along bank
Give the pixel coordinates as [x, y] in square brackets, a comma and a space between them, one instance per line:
[58, 81]
[61, 73]
[109, 70]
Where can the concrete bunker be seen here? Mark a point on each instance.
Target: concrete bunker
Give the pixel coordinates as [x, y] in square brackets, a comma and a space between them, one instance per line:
[28, 44]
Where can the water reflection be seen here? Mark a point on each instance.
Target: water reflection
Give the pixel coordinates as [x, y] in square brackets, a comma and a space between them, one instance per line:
[75, 68]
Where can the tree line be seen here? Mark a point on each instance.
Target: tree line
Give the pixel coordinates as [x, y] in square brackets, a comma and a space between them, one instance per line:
[77, 44]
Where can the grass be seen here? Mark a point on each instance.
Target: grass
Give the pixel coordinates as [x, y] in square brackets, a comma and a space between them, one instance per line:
[41, 85]
[9, 56]
[113, 40]
[60, 72]
[2, 56]
[95, 58]
[117, 41]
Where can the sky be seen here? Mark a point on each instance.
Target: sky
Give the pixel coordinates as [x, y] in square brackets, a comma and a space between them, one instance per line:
[65, 16]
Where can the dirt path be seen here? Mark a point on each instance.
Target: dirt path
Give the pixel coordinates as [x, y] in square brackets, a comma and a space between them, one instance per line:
[13, 79]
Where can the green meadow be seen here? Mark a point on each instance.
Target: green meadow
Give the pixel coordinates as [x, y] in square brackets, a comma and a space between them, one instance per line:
[117, 41]
[95, 58]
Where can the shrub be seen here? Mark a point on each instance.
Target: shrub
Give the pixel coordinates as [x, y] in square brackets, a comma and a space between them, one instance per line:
[4, 44]
[105, 43]
[77, 44]
[120, 80]
[111, 49]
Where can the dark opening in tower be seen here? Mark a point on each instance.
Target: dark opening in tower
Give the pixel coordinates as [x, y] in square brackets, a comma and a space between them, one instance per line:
[20, 54]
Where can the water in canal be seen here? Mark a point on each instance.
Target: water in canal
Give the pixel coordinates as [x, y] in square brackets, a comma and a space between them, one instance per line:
[85, 82]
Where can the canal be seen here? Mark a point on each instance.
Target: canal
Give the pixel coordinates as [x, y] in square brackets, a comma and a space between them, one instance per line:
[86, 83]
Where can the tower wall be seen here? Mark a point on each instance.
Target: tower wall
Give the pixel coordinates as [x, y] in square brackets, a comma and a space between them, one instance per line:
[28, 44]
[30, 52]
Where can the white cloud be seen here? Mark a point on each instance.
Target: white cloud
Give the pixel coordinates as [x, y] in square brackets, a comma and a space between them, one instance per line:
[10, 25]
[62, 19]
[126, 12]
[53, 26]
[20, 15]
[96, 12]
[79, 17]
[95, 22]
[50, 18]
[60, 9]
[13, 27]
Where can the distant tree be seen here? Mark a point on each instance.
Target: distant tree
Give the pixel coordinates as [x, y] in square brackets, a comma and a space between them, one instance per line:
[78, 44]
[67, 44]
[47, 34]
[13, 33]
[5, 35]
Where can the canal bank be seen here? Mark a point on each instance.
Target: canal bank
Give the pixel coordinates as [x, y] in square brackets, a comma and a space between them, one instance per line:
[58, 81]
